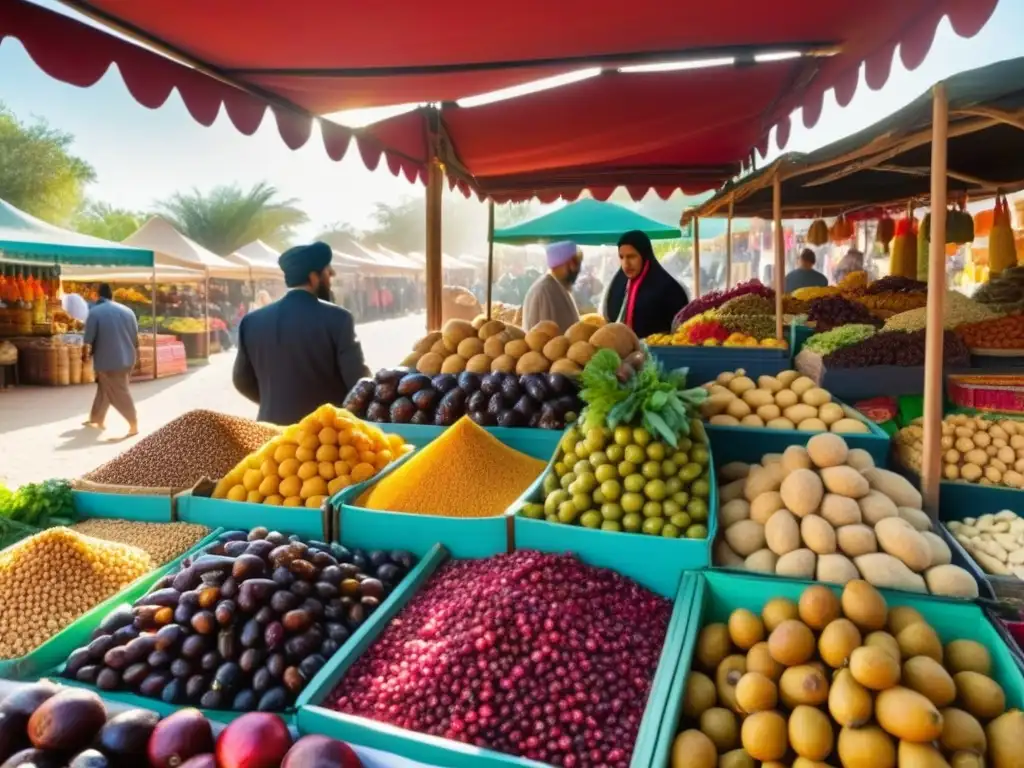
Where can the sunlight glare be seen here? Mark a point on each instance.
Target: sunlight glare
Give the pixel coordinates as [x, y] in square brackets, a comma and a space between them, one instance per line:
[533, 86]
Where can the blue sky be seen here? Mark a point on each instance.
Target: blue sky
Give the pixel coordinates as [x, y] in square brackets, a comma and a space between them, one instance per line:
[142, 155]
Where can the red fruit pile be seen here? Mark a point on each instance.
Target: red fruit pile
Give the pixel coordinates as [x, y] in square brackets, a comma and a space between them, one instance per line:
[530, 654]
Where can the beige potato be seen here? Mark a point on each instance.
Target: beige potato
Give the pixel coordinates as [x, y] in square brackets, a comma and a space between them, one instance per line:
[782, 533]
[875, 507]
[856, 540]
[836, 569]
[798, 564]
[941, 554]
[762, 561]
[883, 570]
[802, 492]
[898, 538]
[745, 537]
[916, 518]
[839, 510]
[845, 481]
[818, 535]
[765, 505]
[860, 459]
[795, 457]
[733, 511]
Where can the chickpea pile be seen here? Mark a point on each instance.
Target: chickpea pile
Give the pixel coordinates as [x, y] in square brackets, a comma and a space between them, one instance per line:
[163, 541]
[50, 579]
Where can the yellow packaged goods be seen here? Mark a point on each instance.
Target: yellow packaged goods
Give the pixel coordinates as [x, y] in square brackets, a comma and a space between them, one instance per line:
[162, 541]
[466, 472]
[311, 461]
[50, 579]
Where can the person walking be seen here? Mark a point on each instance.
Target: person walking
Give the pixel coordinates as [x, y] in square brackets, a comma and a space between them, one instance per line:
[112, 340]
[301, 351]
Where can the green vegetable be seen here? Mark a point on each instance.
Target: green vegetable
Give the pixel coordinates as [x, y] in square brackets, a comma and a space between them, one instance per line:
[654, 398]
[843, 336]
[40, 505]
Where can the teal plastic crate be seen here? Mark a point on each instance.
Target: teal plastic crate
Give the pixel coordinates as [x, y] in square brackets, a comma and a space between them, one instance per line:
[631, 554]
[432, 750]
[751, 443]
[54, 651]
[126, 506]
[705, 363]
[221, 513]
[718, 594]
[798, 336]
[464, 537]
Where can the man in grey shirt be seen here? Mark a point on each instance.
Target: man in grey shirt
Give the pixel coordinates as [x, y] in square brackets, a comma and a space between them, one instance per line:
[805, 275]
[112, 338]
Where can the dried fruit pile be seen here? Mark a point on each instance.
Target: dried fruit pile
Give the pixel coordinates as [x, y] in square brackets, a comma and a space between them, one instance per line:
[974, 449]
[903, 348]
[996, 542]
[161, 541]
[200, 444]
[544, 400]
[826, 512]
[846, 681]
[531, 654]
[243, 626]
[311, 461]
[50, 579]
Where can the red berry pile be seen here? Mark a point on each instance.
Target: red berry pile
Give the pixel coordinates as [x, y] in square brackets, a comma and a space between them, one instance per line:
[531, 654]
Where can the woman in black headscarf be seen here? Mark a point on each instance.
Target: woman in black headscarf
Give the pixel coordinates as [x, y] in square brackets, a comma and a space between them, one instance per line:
[643, 295]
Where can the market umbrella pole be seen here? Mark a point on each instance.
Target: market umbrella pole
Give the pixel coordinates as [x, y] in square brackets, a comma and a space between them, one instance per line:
[152, 297]
[778, 244]
[490, 254]
[728, 248]
[931, 464]
[435, 188]
[696, 257]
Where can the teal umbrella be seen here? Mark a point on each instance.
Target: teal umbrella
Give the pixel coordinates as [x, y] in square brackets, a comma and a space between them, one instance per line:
[26, 238]
[585, 222]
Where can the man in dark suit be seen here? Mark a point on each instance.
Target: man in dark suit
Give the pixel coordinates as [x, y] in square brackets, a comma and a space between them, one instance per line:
[301, 351]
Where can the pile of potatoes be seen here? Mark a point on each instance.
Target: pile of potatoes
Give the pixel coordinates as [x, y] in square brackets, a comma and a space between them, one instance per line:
[826, 512]
[485, 346]
[787, 400]
[996, 542]
[842, 680]
[974, 449]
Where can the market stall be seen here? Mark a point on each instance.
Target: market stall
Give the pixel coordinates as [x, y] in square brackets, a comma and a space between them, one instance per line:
[47, 340]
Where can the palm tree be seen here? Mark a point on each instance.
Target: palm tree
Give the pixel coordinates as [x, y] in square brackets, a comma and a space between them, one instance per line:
[227, 217]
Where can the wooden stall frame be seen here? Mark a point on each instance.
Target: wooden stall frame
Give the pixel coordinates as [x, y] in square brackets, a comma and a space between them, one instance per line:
[696, 258]
[778, 245]
[728, 249]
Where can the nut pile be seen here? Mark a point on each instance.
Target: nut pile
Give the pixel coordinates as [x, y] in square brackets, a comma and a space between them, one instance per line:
[162, 541]
[50, 579]
[996, 542]
[195, 445]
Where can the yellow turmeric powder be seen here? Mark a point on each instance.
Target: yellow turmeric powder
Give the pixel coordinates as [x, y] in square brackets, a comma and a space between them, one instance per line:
[466, 472]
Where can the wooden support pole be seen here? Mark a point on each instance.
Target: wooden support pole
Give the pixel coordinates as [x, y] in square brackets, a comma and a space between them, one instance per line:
[434, 277]
[931, 464]
[779, 247]
[696, 257]
[490, 255]
[728, 248]
[152, 298]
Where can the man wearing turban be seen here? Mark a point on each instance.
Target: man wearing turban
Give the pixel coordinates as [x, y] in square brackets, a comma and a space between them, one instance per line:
[549, 298]
[300, 352]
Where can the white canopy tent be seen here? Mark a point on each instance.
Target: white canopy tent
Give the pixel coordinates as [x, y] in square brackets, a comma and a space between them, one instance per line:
[261, 260]
[173, 249]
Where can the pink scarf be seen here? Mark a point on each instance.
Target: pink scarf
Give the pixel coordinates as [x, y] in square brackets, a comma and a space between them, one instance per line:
[631, 293]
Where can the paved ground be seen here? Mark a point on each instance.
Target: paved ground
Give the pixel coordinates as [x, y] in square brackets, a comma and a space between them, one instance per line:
[40, 427]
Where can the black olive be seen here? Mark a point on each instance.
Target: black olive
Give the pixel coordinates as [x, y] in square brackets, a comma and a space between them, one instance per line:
[265, 615]
[302, 588]
[256, 534]
[331, 574]
[283, 577]
[108, 679]
[329, 647]
[262, 680]
[252, 634]
[389, 573]
[174, 691]
[212, 700]
[337, 632]
[276, 665]
[229, 676]
[245, 701]
[273, 700]
[251, 659]
[195, 687]
[181, 668]
[210, 661]
[135, 674]
[311, 665]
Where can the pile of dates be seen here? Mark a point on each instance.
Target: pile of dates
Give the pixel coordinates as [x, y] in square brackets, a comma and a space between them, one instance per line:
[243, 625]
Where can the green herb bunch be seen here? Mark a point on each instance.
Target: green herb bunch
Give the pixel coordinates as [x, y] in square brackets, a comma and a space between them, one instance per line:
[651, 397]
[32, 507]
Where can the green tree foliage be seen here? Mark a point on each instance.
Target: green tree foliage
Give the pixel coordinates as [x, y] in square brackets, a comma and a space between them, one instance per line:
[38, 173]
[104, 220]
[228, 217]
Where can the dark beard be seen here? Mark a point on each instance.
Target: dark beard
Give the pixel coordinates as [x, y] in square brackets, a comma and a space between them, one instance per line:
[323, 292]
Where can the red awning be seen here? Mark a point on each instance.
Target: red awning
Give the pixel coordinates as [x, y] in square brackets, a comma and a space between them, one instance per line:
[319, 56]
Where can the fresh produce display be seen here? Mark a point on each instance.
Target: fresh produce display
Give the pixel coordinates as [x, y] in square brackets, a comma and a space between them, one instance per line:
[745, 321]
[844, 336]
[784, 401]
[50, 579]
[401, 396]
[183, 324]
[199, 444]
[161, 541]
[896, 284]
[243, 625]
[46, 726]
[32, 507]
[842, 680]
[632, 464]
[974, 449]
[130, 296]
[1003, 292]
[905, 348]
[996, 542]
[309, 462]
[466, 472]
[826, 512]
[715, 299]
[814, 292]
[531, 654]
[958, 310]
[832, 311]
[493, 347]
[998, 333]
